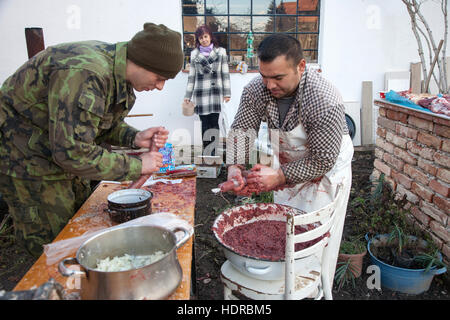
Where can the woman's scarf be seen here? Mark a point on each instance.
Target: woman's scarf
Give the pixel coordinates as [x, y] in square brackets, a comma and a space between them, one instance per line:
[205, 50]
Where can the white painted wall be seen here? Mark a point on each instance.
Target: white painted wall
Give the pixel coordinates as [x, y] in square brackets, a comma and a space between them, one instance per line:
[360, 40]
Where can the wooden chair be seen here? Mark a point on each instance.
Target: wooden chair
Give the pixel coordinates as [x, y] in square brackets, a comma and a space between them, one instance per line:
[303, 276]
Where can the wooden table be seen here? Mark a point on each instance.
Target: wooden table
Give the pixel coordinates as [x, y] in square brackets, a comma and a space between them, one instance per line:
[177, 198]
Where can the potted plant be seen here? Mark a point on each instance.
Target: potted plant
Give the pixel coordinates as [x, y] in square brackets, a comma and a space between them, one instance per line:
[353, 250]
[407, 257]
[344, 274]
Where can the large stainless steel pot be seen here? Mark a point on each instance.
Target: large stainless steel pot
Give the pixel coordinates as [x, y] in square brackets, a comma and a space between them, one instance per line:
[252, 266]
[154, 281]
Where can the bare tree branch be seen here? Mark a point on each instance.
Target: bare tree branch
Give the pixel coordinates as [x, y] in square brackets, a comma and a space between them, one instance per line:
[417, 21]
[430, 53]
[410, 9]
[445, 84]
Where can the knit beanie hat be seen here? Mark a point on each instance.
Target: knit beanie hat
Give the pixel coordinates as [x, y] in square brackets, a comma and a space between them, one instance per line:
[157, 49]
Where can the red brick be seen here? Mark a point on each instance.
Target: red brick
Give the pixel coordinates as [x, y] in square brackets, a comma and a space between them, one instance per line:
[381, 132]
[440, 187]
[386, 146]
[446, 145]
[441, 203]
[396, 140]
[416, 148]
[386, 123]
[436, 240]
[429, 116]
[416, 174]
[441, 121]
[421, 123]
[393, 161]
[434, 213]
[382, 112]
[379, 153]
[405, 156]
[402, 179]
[406, 131]
[427, 166]
[391, 182]
[411, 197]
[397, 116]
[429, 140]
[382, 167]
[443, 174]
[442, 131]
[419, 215]
[441, 159]
[375, 175]
[422, 191]
[440, 230]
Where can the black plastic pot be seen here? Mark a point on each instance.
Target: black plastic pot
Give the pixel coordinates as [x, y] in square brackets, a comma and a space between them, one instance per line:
[128, 204]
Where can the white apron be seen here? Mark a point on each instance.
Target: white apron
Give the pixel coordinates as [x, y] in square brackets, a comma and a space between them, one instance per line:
[313, 195]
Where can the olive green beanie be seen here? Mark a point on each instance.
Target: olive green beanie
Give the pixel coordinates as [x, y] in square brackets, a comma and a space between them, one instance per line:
[157, 49]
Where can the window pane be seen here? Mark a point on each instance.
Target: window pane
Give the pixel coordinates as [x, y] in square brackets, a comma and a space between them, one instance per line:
[193, 7]
[257, 41]
[308, 41]
[189, 42]
[217, 23]
[263, 7]
[310, 56]
[263, 24]
[235, 57]
[216, 7]
[238, 41]
[231, 20]
[308, 6]
[240, 7]
[222, 38]
[285, 24]
[240, 24]
[190, 24]
[308, 24]
[286, 7]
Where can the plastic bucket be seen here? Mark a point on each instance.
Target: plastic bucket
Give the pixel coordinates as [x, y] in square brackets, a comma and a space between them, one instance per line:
[411, 281]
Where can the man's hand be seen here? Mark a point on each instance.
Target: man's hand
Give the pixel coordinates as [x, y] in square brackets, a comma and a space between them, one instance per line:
[152, 138]
[235, 174]
[151, 162]
[266, 178]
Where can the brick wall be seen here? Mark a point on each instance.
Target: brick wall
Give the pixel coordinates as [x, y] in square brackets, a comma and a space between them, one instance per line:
[412, 149]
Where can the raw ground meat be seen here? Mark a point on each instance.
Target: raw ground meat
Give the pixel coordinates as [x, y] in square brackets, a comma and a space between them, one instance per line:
[264, 239]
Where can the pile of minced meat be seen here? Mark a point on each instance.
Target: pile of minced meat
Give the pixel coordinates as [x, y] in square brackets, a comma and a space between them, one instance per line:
[128, 262]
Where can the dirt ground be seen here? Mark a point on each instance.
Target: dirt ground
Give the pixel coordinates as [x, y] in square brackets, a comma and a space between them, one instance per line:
[206, 285]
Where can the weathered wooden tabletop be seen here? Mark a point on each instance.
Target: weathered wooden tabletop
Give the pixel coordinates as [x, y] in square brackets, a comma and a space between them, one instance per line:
[176, 198]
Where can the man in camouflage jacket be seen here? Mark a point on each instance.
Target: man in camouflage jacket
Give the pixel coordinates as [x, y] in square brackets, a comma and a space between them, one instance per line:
[59, 107]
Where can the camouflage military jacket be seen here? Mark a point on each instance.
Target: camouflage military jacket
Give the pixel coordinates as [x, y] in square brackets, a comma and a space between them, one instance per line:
[59, 106]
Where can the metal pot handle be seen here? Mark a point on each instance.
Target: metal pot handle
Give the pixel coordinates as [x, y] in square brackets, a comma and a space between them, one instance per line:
[68, 272]
[185, 237]
[258, 271]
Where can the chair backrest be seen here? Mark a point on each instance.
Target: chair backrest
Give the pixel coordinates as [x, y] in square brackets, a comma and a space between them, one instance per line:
[322, 220]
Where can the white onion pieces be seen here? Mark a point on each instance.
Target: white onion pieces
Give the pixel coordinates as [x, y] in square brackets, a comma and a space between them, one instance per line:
[127, 262]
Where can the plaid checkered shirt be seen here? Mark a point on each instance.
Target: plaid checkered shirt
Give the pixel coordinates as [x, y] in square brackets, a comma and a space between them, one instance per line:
[208, 81]
[322, 114]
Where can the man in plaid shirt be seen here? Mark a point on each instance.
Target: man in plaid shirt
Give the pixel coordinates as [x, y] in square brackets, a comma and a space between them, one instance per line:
[321, 113]
[308, 132]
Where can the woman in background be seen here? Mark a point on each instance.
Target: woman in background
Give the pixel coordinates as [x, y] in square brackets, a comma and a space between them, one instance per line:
[208, 82]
